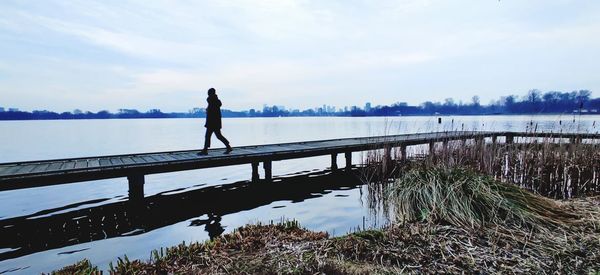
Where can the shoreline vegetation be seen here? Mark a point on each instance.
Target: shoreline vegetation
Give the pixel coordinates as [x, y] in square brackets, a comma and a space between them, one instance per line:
[534, 102]
[422, 246]
[464, 207]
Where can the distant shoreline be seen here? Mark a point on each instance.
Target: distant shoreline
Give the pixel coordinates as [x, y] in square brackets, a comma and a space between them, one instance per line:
[315, 116]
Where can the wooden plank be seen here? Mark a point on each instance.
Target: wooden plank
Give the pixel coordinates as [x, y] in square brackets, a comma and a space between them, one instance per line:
[116, 161]
[54, 166]
[148, 159]
[80, 164]
[138, 160]
[158, 157]
[93, 163]
[40, 168]
[178, 156]
[7, 169]
[105, 162]
[191, 155]
[127, 160]
[169, 157]
[68, 165]
[24, 169]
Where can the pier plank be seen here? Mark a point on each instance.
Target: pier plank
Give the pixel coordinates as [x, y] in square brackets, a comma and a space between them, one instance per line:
[127, 160]
[7, 169]
[79, 164]
[68, 165]
[116, 161]
[93, 163]
[40, 168]
[104, 162]
[24, 169]
[54, 166]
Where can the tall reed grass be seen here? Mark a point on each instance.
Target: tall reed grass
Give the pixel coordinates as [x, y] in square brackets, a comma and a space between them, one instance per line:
[552, 167]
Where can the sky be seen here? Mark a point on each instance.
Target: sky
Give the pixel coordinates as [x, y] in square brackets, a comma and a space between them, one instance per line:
[97, 55]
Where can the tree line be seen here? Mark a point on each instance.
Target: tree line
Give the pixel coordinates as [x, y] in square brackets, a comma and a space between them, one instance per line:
[534, 102]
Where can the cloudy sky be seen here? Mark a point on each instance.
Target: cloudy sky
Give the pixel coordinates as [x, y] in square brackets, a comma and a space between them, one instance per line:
[94, 55]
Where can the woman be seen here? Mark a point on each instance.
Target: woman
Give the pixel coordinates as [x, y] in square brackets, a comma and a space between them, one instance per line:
[213, 122]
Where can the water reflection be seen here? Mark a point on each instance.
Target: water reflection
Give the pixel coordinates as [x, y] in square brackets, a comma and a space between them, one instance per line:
[59, 227]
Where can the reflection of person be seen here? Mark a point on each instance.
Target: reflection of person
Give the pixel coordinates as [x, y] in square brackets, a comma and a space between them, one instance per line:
[213, 122]
[213, 227]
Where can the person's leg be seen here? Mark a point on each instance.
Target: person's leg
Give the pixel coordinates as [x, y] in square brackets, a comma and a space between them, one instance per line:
[207, 141]
[223, 139]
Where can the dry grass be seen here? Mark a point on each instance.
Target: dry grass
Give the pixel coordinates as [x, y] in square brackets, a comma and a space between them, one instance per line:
[417, 247]
[464, 198]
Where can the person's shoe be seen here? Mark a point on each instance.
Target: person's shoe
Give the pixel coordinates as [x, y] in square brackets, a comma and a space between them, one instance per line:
[228, 150]
[204, 152]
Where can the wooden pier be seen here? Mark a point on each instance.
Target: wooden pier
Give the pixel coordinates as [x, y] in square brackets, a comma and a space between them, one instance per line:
[20, 175]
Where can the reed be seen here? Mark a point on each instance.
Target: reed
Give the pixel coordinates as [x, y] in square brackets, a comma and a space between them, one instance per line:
[551, 167]
[465, 198]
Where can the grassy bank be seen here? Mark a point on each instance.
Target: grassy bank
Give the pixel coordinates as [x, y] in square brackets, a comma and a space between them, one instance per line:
[453, 220]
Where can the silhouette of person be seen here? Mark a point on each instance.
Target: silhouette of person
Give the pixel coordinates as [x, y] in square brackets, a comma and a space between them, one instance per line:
[213, 226]
[213, 122]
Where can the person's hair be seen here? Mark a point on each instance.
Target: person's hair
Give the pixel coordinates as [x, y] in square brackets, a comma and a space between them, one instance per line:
[212, 91]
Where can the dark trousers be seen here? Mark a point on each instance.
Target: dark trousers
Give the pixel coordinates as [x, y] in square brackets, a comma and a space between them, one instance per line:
[217, 132]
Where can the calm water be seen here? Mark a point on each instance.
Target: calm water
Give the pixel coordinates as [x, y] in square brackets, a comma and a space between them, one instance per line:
[47, 228]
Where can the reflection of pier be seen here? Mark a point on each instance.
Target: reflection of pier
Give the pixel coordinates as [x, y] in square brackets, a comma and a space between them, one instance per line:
[134, 167]
[45, 230]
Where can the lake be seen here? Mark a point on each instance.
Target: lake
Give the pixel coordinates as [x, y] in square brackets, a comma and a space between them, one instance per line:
[195, 205]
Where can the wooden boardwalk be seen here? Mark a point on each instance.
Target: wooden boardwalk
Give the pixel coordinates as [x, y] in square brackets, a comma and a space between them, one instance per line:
[19, 175]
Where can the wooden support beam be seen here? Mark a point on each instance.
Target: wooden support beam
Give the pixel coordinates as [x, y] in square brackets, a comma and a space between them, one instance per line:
[432, 147]
[479, 141]
[494, 139]
[348, 156]
[403, 152]
[510, 139]
[388, 154]
[136, 187]
[334, 165]
[575, 140]
[255, 175]
[268, 166]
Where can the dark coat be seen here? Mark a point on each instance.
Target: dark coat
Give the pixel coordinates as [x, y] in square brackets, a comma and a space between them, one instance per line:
[213, 113]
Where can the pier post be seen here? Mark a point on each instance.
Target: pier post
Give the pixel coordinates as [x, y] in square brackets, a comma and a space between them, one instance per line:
[494, 139]
[445, 144]
[479, 141]
[510, 139]
[255, 176]
[136, 187]
[575, 140]
[334, 165]
[348, 156]
[268, 166]
[432, 147]
[388, 155]
[403, 152]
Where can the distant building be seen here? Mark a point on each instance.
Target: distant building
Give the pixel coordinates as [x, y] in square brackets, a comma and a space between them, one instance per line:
[13, 109]
[1, 109]
[368, 106]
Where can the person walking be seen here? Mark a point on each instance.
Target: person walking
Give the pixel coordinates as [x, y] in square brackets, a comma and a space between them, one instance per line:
[213, 122]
